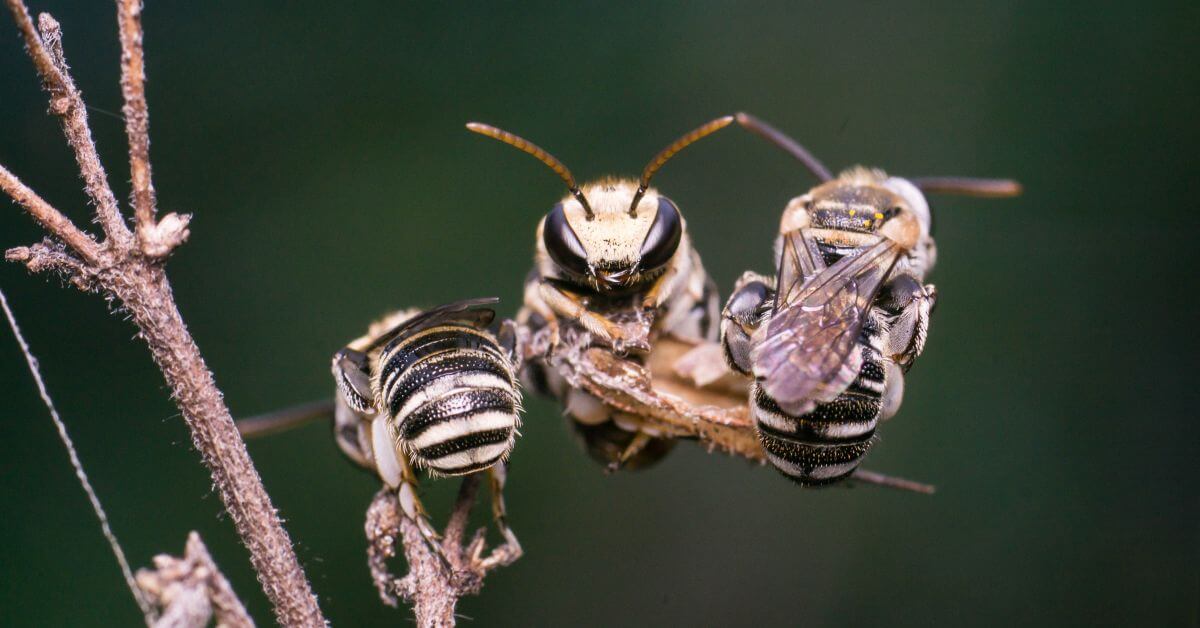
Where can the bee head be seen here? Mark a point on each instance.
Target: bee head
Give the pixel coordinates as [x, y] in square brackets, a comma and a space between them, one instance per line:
[868, 201]
[612, 247]
[613, 234]
[863, 201]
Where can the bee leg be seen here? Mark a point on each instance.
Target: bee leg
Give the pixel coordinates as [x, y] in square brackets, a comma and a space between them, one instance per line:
[511, 550]
[513, 341]
[893, 390]
[396, 471]
[741, 317]
[352, 432]
[912, 304]
[569, 306]
[352, 374]
[411, 505]
[536, 304]
[659, 291]
[635, 446]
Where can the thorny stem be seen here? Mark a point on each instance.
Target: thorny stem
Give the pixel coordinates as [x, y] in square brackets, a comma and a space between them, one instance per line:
[136, 279]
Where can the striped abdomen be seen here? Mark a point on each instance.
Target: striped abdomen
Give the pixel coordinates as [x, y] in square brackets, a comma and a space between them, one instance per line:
[829, 442]
[451, 396]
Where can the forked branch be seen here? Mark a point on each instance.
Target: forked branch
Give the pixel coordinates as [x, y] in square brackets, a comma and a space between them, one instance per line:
[191, 590]
[129, 270]
[431, 586]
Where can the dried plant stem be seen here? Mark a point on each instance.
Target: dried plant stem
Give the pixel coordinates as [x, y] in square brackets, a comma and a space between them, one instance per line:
[192, 590]
[137, 120]
[134, 276]
[431, 587]
[147, 609]
[46, 50]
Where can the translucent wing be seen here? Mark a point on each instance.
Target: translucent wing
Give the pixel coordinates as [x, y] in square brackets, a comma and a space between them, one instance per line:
[799, 261]
[468, 311]
[809, 352]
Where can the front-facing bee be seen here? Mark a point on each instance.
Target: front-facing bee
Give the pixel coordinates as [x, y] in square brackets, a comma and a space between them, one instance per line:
[613, 260]
[828, 340]
[616, 247]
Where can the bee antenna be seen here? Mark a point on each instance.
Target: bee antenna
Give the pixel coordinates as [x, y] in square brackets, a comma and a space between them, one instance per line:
[791, 146]
[879, 479]
[983, 188]
[667, 153]
[540, 154]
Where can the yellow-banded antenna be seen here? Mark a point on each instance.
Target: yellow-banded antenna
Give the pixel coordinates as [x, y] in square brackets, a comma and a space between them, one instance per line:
[983, 188]
[667, 153]
[540, 154]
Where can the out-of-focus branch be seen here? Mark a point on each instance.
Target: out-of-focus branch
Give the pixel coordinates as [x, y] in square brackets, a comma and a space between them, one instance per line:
[135, 278]
[190, 591]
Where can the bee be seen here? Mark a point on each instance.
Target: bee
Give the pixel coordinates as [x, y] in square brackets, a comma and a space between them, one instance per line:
[683, 389]
[828, 340]
[613, 260]
[430, 390]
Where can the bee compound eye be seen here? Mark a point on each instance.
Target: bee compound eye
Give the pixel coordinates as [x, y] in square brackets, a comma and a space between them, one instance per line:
[663, 238]
[749, 302]
[561, 242]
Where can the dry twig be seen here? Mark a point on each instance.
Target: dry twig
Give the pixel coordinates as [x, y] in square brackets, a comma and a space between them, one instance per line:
[191, 590]
[130, 270]
[431, 587]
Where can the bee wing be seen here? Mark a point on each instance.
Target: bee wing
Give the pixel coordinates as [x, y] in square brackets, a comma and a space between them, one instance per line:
[799, 261]
[468, 311]
[809, 352]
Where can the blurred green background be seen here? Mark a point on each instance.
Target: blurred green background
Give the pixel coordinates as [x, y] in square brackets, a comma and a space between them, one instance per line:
[322, 151]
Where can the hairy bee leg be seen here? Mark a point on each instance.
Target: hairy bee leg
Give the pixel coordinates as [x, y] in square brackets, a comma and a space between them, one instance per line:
[354, 406]
[511, 550]
[534, 303]
[740, 318]
[412, 507]
[569, 306]
[352, 374]
[352, 433]
[893, 390]
[396, 471]
[910, 328]
[635, 446]
[662, 288]
[512, 341]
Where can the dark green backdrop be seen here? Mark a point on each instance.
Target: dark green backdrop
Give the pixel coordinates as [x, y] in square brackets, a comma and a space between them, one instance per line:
[322, 152]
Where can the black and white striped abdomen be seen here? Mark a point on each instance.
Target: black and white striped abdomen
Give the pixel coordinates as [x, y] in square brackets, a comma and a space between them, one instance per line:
[451, 396]
[828, 443]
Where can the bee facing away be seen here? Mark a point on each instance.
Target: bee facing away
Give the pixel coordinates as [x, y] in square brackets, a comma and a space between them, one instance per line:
[429, 390]
[432, 390]
[827, 340]
[613, 260]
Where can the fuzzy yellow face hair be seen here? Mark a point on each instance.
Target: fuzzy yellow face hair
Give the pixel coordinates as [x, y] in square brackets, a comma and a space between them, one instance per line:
[613, 238]
[615, 233]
